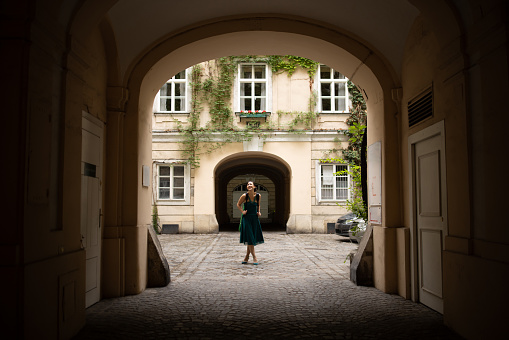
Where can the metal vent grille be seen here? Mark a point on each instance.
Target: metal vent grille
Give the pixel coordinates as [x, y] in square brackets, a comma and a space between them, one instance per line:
[420, 108]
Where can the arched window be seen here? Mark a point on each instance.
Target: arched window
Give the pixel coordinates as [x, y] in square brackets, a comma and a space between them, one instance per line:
[243, 187]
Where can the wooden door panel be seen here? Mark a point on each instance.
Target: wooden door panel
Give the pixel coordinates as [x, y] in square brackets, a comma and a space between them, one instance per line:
[430, 226]
[431, 261]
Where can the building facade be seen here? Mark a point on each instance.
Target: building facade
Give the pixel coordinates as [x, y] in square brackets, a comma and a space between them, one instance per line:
[287, 121]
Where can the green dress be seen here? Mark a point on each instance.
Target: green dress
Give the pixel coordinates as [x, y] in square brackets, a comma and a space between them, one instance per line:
[250, 227]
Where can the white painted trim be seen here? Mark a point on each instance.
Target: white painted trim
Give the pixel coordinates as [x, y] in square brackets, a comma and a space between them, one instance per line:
[318, 185]
[317, 88]
[157, 103]
[155, 180]
[279, 136]
[268, 90]
[437, 129]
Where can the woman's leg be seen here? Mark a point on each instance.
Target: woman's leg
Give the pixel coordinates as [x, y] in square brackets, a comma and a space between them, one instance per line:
[247, 254]
[252, 250]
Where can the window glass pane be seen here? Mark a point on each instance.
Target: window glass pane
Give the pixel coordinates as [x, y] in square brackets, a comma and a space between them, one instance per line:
[165, 104]
[164, 170]
[178, 194]
[260, 104]
[245, 104]
[178, 105]
[259, 89]
[341, 194]
[245, 72]
[180, 89]
[325, 89]
[180, 75]
[339, 89]
[340, 104]
[178, 182]
[164, 193]
[245, 89]
[166, 90]
[338, 75]
[327, 175]
[326, 104]
[178, 170]
[342, 182]
[325, 72]
[340, 167]
[164, 182]
[327, 192]
[259, 71]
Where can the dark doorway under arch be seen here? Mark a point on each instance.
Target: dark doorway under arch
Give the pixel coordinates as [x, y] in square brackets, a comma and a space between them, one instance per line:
[258, 163]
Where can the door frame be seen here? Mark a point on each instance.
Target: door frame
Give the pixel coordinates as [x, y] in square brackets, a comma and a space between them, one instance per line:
[437, 129]
[96, 127]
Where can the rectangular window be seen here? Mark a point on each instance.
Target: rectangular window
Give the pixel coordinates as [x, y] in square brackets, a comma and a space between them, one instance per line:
[173, 96]
[171, 182]
[333, 186]
[332, 91]
[253, 87]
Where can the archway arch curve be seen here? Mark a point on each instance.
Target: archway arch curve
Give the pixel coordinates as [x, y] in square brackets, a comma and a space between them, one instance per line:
[147, 76]
[265, 35]
[260, 35]
[265, 164]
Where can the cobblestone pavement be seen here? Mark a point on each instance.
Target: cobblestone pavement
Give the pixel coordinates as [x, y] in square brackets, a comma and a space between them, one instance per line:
[299, 290]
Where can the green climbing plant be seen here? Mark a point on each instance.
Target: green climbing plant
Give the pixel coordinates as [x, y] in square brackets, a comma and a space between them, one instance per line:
[214, 85]
[155, 219]
[356, 122]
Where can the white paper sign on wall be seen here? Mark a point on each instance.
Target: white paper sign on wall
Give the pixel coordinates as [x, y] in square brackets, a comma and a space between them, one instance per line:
[375, 182]
[145, 176]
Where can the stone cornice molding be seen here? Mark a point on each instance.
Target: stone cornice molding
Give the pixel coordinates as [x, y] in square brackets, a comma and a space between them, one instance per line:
[274, 136]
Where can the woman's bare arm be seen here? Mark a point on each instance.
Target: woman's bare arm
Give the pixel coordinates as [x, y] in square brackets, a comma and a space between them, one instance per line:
[242, 199]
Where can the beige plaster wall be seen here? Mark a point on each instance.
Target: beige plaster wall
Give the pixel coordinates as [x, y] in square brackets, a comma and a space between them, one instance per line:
[52, 255]
[290, 93]
[474, 261]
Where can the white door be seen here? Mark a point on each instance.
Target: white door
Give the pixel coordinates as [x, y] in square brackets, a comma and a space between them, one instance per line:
[430, 230]
[91, 171]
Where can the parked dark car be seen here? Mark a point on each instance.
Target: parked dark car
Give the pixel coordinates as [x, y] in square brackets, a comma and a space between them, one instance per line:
[343, 225]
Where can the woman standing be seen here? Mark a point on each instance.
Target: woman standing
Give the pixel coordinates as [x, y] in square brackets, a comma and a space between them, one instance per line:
[250, 227]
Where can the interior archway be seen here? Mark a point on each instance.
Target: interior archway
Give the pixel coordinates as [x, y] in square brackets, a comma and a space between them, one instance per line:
[340, 49]
[260, 163]
[370, 73]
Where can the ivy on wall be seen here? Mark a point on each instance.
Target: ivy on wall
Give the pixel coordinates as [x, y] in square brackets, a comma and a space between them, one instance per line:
[357, 122]
[212, 83]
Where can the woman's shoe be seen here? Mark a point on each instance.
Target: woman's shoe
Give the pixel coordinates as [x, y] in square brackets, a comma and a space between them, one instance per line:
[244, 262]
[256, 263]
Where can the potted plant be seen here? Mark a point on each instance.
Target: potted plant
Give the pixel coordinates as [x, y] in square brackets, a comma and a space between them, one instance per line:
[253, 114]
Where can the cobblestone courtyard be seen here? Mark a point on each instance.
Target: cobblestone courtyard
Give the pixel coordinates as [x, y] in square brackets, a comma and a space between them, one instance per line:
[300, 290]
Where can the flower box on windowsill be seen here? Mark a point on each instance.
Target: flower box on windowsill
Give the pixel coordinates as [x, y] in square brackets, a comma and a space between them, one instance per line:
[252, 114]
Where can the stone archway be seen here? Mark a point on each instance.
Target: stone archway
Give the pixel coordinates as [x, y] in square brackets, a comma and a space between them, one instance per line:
[355, 60]
[270, 166]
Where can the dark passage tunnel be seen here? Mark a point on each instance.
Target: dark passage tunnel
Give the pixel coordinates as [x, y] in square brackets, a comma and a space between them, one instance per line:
[257, 164]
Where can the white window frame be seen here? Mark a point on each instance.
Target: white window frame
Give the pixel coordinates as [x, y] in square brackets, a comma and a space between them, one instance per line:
[319, 182]
[187, 183]
[268, 87]
[319, 81]
[187, 95]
